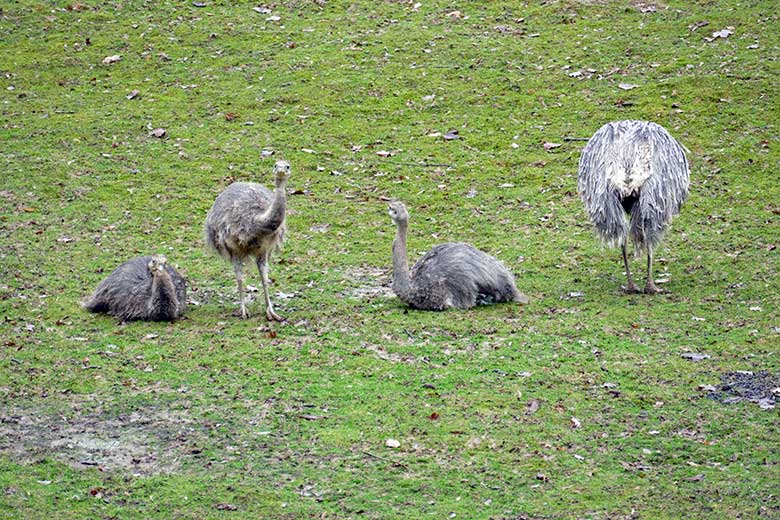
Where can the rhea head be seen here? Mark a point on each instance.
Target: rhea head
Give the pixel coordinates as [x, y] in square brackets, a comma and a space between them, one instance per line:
[281, 171]
[157, 264]
[398, 212]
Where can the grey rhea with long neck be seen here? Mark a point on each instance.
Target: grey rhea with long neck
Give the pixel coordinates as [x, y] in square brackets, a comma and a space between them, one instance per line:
[247, 221]
[451, 275]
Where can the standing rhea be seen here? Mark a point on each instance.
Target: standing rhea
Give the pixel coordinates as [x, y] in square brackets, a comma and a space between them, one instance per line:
[633, 178]
[247, 220]
[451, 275]
[144, 288]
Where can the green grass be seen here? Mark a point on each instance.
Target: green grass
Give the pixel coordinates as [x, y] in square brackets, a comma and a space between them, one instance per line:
[228, 418]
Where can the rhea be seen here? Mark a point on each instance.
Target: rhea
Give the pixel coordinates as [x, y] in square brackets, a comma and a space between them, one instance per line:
[451, 275]
[633, 179]
[144, 288]
[247, 221]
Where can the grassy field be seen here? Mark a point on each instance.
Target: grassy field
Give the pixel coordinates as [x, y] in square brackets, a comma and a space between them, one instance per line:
[578, 405]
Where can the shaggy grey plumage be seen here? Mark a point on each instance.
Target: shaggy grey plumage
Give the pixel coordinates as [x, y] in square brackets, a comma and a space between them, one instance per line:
[144, 288]
[633, 168]
[451, 275]
[248, 221]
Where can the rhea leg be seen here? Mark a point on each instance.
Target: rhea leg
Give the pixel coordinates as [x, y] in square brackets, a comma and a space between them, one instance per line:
[262, 266]
[238, 267]
[630, 285]
[650, 287]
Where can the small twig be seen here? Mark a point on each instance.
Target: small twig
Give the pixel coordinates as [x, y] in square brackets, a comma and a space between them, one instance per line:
[409, 334]
[395, 463]
[576, 138]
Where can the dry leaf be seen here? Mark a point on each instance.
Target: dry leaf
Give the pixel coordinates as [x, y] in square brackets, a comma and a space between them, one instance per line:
[693, 356]
[551, 146]
[392, 443]
[384, 153]
[575, 423]
[627, 86]
[723, 33]
[108, 60]
[158, 132]
[134, 94]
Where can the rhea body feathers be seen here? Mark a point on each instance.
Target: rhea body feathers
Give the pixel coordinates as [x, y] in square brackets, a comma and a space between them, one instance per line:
[451, 275]
[633, 179]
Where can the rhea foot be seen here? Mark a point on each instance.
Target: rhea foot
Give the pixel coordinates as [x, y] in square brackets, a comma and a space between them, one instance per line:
[651, 288]
[241, 313]
[630, 288]
[272, 316]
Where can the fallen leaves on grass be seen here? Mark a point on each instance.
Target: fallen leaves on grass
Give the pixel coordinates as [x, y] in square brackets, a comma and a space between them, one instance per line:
[627, 86]
[158, 133]
[532, 406]
[551, 146]
[108, 60]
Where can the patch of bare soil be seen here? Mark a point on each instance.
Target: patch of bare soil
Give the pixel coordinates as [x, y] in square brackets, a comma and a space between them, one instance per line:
[144, 442]
[762, 388]
[368, 283]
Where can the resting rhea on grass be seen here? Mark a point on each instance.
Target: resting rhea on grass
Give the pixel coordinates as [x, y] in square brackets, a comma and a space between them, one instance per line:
[248, 221]
[633, 179]
[144, 288]
[451, 275]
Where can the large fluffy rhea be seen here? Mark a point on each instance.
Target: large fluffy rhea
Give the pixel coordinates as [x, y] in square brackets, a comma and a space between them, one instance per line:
[451, 275]
[144, 288]
[248, 221]
[633, 178]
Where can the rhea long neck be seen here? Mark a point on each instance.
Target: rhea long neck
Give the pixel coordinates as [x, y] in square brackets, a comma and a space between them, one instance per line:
[402, 283]
[163, 299]
[274, 215]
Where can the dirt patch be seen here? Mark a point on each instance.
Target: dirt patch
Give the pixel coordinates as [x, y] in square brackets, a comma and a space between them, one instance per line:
[368, 283]
[382, 353]
[144, 442]
[762, 388]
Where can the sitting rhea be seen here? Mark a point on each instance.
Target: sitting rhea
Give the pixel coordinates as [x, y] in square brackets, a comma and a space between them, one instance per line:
[451, 275]
[144, 288]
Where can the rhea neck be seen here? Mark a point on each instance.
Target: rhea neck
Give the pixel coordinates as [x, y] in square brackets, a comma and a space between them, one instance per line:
[163, 300]
[274, 216]
[402, 283]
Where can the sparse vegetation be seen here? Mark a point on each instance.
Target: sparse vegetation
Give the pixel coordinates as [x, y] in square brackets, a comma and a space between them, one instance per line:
[578, 405]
